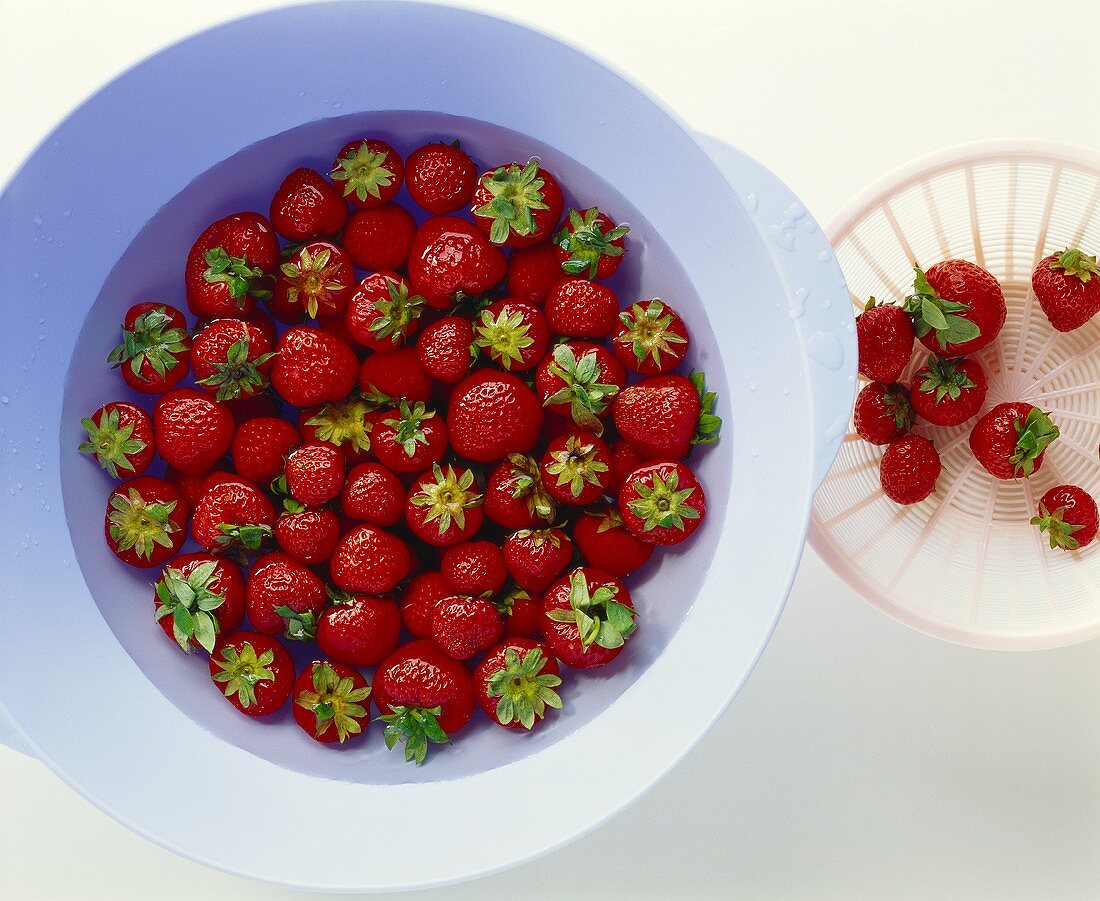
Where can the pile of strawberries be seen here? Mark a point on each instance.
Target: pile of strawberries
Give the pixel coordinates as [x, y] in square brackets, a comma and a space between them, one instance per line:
[445, 475]
[956, 309]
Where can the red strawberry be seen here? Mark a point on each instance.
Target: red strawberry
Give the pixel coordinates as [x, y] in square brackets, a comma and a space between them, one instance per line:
[1010, 440]
[662, 502]
[440, 178]
[884, 339]
[370, 560]
[579, 380]
[624, 460]
[1069, 516]
[381, 238]
[474, 567]
[233, 516]
[228, 264]
[517, 206]
[464, 627]
[232, 359]
[493, 414]
[590, 244]
[145, 522]
[284, 596]
[535, 557]
[315, 281]
[120, 436]
[522, 613]
[309, 536]
[422, 596]
[446, 350]
[606, 543]
[579, 308]
[197, 598]
[382, 315]
[588, 617]
[307, 206]
[424, 696]
[260, 448]
[254, 671]
[664, 415]
[444, 506]
[532, 272]
[373, 495]
[385, 378]
[516, 497]
[345, 424]
[410, 438]
[331, 702]
[361, 632]
[576, 468]
[315, 474]
[450, 255]
[909, 469]
[650, 338]
[155, 352]
[313, 367]
[193, 430]
[514, 334]
[883, 413]
[957, 308]
[948, 392]
[516, 681]
[1067, 289]
[368, 171]
[192, 485]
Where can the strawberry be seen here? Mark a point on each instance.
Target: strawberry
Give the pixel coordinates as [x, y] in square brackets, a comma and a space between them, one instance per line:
[576, 468]
[410, 438]
[493, 414]
[380, 238]
[309, 536]
[515, 497]
[155, 352]
[193, 485]
[465, 626]
[315, 281]
[232, 359]
[145, 522]
[662, 502]
[422, 596]
[578, 308]
[193, 430]
[474, 567]
[450, 255]
[522, 613]
[254, 671]
[283, 596]
[883, 412]
[233, 517]
[948, 392]
[446, 349]
[664, 415]
[373, 495]
[120, 436]
[315, 474]
[228, 264]
[579, 380]
[535, 557]
[387, 377]
[313, 367]
[514, 334]
[440, 178]
[1067, 289]
[307, 206]
[532, 272]
[260, 448]
[1010, 440]
[607, 544]
[370, 560]
[909, 469]
[197, 598]
[368, 171]
[650, 338]
[444, 506]
[331, 702]
[361, 632]
[590, 244]
[957, 308]
[1069, 516]
[884, 341]
[382, 315]
[516, 681]
[624, 460]
[424, 696]
[588, 616]
[517, 206]
[345, 424]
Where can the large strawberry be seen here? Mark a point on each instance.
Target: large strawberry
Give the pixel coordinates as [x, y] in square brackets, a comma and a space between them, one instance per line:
[579, 380]
[576, 468]
[316, 280]
[368, 171]
[361, 631]
[450, 255]
[145, 522]
[882, 412]
[228, 264]
[307, 206]
[590, 244]
[380, 238]
[444, 506]
[446, 349]
[120, 437]
[664, 415]
[197, 598]
[315, 473]
[606, 543]
[260, 448]
[588, 618]
[532, 272]
[373, 494]
[535, 557]
[493, 414]
[1010, 440]
[440, 177]
[884, 341]
[410, 439]
[155, 352]
[517, 205]
[948, 392]
[909, 469]
[232, 359]
[254, 672]
[1067, 286]
[662, 502]
[465, 626]
[313, 367]
[516, 681]
[233, 517]
[1068, 516]
[283, 596]
[331, 702]
[515, 497]
[957, 308]
[579, 308]
[309, 536]
[193, 430]
[382, 314]
[369, 559]
[421, 598]
[513, 333]
[650, 338]
[474, 567]
[385, 378]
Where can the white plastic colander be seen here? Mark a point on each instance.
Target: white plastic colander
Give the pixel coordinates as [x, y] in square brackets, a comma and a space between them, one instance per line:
[966, 565]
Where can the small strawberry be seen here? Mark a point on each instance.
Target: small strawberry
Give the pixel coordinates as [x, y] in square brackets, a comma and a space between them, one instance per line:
[232, 359]
[316, 281]
[607, 544]
[909, 469]
[193, 430]
[331, 702]
[368, 171]
[155, 352]
[315, 474]
[517, 206]
[884, 339]
[1069, 516]
[664, 415]
[380, 238]
[444, 506]
[446, 349]
[624, 460]
[883, 413]
[948, 392]
[576, 468]
[521, 612]
[579, 308]
[662, 502]
[233, 517]
[363, 631]
[516, 681]
[493, 414]
[145, 522]
[313, 367]
[422, 596]
[450, 255]
[474, 567]
[464, 627]
[307, 206]
[197, 598]
[579, 380]
[516, 497]
[309, 536]
[1010, 440]
[590, 244]
[373, 495]
[284, 597]
[650, 338]
[535, 557]
[1067, 289]
[957, 308]
[440, 177]
[514, 334]
[588, 618]
[369, 559]
[385, 378]
[120, 437]
[532, 272]
[411, 438]
[260, 448]
[228, 265]
[382, 315]
[254, 671]
[345, 424]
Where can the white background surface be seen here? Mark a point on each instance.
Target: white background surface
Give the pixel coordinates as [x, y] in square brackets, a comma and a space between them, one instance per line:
[861, 759]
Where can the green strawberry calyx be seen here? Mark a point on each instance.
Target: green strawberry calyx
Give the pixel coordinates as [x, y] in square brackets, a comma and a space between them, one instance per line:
[930, 312]
[154, 340]
[516, 191]
[239, 376]
[312, 280]
[416, 727]
[408, 426]
[239, 278]
[241, 539]
[942, 377]
[709, 425]
[649, 333]
[300, 626]
[584, 242]
[599, 618]
[663, 503]
[335, 702]
[609, 519]
[505, 602]
[396, 313]
[523, 689]
[582, 389]
[898, 407]
[1033, 435]
[504, 336]
[191, 601]
[527, 484]
[576, 465]
[135, 523]
[363, 172]
[346, 422]
[1058, 530]
[242, 670]
[447, 496]
[110, 443]
[1076, 264]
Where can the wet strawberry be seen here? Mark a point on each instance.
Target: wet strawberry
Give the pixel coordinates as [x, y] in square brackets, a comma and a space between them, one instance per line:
[233, 517]
[516, 682]
[440, 178]
[380, 238]
[474, 567]
[382, 314]
[535, 557]
[345, 424]
[579, 380]
[315, 474]
[368, 171]
[422, 596]
[369, 559]
[957, 308]
[317, 280]
[155, 352]
[517, 206]
[515, 497]
[446, 349]
[385, 378]
[588, 618]
[197, 598]
[228, 265]
[309, 536]
[883, 413]
[606, 543]
[313, 367]
[513, 334]
[664, 415]
[948, 392]
[590, 244]
[662, 502]
[650, 338]
[493, 414]
[450, 255]
[410, 438]
[373, 494]
[120, 437]
[1068, 516]
[1011, 439]
[465, 626]
[331, 702]
[193, 430]
[361, 632]
[254, 671]
[576, 468]
[444, 506]
[145, 522]
[231, 359]
[307, 206]
[260, 448]
[909, 469]
[284, 597]
[579, 308]
[1067, 288]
